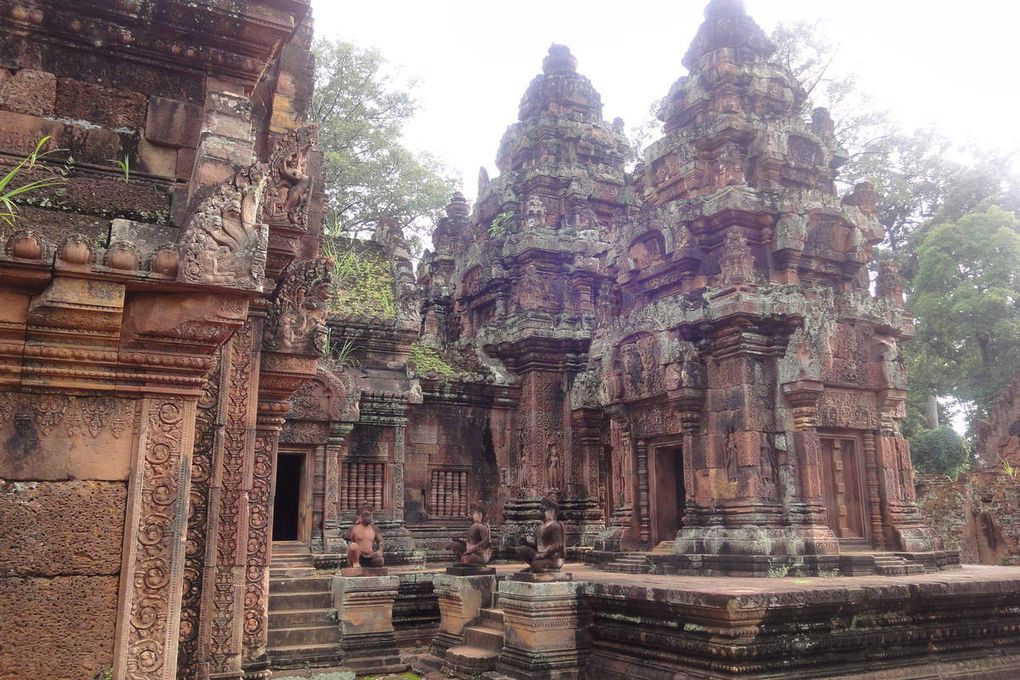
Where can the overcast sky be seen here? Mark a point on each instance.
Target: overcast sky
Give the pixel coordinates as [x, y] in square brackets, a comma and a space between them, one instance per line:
[952, 65]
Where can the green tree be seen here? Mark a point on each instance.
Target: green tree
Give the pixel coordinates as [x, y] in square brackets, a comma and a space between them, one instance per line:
[940, 452]
[361, 110]
[966, 296]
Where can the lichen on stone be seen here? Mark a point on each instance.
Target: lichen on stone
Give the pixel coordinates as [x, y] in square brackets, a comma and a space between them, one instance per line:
[427, 360]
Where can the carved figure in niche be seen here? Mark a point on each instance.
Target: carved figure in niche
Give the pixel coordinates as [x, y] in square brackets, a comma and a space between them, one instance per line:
[366, 543]
[731, 455]
[768, 462]
[693, 374]
[292, 192]
[730, 170]
[736, 263]
[554, 477]
[536, 213]
[893, 373]
[548, 551]
[475, 549]
[791, 232]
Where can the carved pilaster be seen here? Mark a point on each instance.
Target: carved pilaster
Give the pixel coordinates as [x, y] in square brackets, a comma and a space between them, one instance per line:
[152, 573]
[223, 580]
[644, 505]
[333, 542]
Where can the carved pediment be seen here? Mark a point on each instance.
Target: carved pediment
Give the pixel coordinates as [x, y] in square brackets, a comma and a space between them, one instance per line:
[296, 321]
[224, 244]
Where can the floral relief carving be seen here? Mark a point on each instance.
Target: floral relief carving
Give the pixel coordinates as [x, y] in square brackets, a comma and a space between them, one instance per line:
[155, 551]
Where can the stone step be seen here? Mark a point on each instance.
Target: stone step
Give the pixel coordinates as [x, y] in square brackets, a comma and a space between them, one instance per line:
[484, 637]
[291, 547]
[305, 656]
[300, 617]
[493, 617]
[306, 635]
[306, 584]
[291, 572]
[468, 661]
[291, 601]
[665, 548]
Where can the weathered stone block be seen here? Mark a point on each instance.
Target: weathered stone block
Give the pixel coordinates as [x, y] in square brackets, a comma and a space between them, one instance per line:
[173, 123]
[156, 160]
[61, 528]
[461, 600]
[20, 132]
[364, 606]
[28, 91]
[57, 628]
[105, 106]
[546, 630]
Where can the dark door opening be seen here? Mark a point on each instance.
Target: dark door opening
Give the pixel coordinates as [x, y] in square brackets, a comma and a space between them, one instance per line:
[286, 505]
[668, 495]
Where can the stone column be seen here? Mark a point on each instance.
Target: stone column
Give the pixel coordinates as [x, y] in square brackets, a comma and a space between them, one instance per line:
[461, 600]
[546, 630]
[332, 539]
[364, 605]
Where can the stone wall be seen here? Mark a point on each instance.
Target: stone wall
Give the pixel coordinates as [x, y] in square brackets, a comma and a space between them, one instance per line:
[979, 514]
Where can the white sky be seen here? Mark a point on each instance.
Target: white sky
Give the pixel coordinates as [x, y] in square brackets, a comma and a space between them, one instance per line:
[953, 65]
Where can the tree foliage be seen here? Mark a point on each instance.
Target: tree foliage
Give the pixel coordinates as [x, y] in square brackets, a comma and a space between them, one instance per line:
[940, 452]
[966, 295]
[361, 111]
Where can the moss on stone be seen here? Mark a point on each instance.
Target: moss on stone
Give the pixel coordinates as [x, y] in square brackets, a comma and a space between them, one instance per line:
[428, 359]
[363, 285]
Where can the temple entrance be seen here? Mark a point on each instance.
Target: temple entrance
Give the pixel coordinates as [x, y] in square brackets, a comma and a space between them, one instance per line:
[668, 496]
[842, 488]
[288, 507]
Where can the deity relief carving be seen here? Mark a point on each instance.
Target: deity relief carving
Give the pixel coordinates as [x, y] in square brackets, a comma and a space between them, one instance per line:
[223, 242]
[736, 263]
[847, 410]
[296, 321]
[289, 185]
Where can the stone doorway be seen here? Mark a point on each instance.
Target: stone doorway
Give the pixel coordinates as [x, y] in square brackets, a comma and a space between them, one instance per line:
[841, 485]
[290, 507]
[668, 495]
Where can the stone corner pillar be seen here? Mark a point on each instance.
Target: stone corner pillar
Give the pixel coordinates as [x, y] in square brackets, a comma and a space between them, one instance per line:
[461, 600]
[364, 607]
[546, 630]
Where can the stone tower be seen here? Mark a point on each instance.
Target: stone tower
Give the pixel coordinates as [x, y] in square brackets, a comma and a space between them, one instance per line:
[753, 383]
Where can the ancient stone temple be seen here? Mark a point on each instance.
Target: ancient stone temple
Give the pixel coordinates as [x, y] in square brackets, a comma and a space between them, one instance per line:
[158, 314]
[688, 361]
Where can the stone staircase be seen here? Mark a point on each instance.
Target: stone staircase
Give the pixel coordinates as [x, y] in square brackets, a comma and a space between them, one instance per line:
[302, 620]
[483, 643]
[665, 548]
[630, 563]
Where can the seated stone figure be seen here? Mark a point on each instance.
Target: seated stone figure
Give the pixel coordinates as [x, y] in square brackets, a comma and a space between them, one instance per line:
[475, 549]
[548, 550]
[365, 542]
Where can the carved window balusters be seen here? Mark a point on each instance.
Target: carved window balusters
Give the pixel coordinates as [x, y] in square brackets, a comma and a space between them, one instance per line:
[361, 483]
[448, 492]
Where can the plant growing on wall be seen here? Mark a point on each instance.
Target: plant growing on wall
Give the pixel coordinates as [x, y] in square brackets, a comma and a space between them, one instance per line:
[11, 191]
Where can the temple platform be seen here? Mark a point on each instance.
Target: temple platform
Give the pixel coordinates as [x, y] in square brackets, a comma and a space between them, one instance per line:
[963, 623]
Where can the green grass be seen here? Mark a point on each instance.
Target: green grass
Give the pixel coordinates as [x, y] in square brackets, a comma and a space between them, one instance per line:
[428, 359]
[362, 282]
